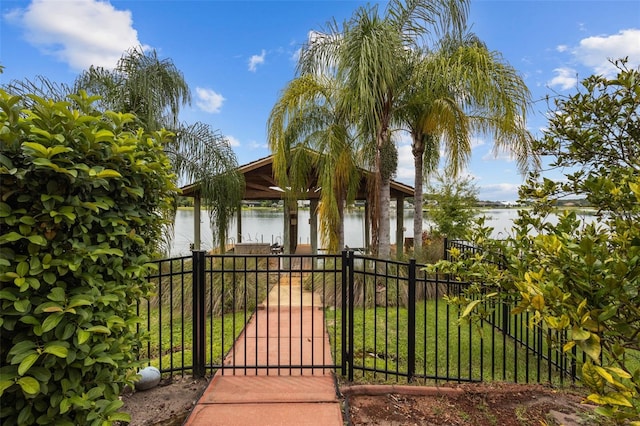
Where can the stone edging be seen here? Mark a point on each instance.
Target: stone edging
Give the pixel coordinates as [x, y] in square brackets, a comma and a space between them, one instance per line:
[400, 389]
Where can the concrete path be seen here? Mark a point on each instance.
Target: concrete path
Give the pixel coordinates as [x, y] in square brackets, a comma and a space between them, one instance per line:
[287, 329]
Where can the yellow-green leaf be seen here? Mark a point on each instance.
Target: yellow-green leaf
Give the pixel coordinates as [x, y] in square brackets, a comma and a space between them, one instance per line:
[568, 346]
[78, 301]
[578, 333]
[120, 417]
[538, 302]
[99, 329]
[603, 373]
[29, 385]
[4, 384]
[108, 173]
[58, 149]
[619, 372]
[591, 347]
[27, 362]
[103, 135]
[22, 305]
[83, 336]
[470, 308]
[57, 350]
[51, 321]
[22, 269]
[65, 405]
[612, 398]
[36, 148]
[37, 239]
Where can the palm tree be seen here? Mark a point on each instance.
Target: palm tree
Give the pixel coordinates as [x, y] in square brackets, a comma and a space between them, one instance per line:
[141, 83]
[155, 90]
[308, 133]
[458, 89]
[367, 53]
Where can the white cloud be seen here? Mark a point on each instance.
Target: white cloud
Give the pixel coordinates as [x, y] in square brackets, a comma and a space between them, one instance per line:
[566, 78]
[498, 155]
[233, 141]
[295, 56]
[256, 60]
[405, 172]
[499, 192]
[80, 33]
[208, 100]
[256, 145]
[477, 142]
[596, 51]
[562, 48]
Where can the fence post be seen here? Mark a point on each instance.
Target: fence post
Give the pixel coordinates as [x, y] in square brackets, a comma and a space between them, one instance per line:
[411, 338]
[506, 312]
[350, 314]
[345, 310]
[446, 247]
[198, 314]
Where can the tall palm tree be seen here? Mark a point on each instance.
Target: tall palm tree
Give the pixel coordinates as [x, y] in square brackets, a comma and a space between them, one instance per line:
[308, 133]
[141, 83]
[155, 90]
[459, 89]
[366, 53]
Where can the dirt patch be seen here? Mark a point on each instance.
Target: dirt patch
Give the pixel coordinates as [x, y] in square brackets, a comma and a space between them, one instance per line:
[496, 404]
[473, 404]
[167, 404]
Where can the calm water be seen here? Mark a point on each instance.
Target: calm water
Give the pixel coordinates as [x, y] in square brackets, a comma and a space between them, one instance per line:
[267, 226]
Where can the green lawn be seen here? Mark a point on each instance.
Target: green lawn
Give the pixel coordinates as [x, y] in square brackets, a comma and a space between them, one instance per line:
[443, 348]
[176, 340]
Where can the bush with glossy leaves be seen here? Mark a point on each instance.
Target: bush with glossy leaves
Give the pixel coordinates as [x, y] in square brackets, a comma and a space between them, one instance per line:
[82, 206]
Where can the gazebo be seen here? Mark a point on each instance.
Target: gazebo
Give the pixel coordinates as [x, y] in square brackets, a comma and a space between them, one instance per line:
[260, 184]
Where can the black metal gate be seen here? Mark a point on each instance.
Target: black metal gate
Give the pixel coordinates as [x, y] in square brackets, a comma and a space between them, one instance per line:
[306, 314]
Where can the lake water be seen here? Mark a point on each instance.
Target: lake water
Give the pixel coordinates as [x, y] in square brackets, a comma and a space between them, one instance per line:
[267, 226]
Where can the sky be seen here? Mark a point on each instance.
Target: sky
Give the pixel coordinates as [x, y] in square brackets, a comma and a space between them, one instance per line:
[237, 56]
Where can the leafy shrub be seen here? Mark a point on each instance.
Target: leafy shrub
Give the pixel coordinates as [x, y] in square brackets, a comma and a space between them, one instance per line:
[81, 208]
[577, 279]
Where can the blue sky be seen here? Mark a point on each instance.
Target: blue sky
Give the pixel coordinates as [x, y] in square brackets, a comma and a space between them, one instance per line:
[238, 55]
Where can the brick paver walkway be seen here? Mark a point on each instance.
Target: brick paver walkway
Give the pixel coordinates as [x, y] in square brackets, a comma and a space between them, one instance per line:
[288, 329]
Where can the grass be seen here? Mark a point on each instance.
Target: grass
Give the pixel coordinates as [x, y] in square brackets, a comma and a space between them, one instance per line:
[233, 289]
[444, 348]
[170, 342]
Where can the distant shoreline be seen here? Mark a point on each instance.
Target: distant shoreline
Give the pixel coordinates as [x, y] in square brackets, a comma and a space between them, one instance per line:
[586, 209]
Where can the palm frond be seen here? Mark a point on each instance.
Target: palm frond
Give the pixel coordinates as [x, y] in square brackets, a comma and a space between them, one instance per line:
[202, 155]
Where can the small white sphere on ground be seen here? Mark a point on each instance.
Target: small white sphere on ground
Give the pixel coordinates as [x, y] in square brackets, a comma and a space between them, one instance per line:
[149, 378]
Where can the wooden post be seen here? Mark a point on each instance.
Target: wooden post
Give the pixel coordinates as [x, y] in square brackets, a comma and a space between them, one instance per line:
[196, 222]
[400, 226]
[367, 230]
[286, 240]
[313, 224]
[239, 224]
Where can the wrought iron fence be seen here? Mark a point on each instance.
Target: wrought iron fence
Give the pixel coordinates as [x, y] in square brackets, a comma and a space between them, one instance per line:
[197, 320]
[385, 321]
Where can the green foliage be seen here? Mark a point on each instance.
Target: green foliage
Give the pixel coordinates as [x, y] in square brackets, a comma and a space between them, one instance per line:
[154, 90]
[451, 206]
[80, 214]
[583, 279]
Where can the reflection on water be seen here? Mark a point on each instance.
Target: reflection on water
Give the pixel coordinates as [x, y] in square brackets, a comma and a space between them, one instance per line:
[266, 226]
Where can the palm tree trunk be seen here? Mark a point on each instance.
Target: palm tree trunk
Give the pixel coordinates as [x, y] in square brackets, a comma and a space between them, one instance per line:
[417, 148]
[384, 227]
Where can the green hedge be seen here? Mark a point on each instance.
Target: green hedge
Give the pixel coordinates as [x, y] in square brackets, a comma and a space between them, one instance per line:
[82, 205]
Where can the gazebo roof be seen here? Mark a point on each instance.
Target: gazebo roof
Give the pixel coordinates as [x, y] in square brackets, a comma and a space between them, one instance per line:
[260, 184]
